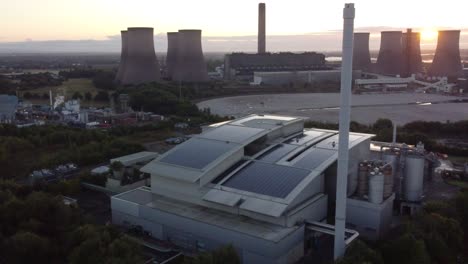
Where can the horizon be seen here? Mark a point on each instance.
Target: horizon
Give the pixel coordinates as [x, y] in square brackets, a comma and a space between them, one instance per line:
[33, 26]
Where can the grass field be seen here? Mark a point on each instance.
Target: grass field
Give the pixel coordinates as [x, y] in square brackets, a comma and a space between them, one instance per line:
[68, 88]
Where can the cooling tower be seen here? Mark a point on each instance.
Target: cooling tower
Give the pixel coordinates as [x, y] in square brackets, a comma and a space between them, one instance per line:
[191, 66]
[261, 28]
[171, 57]
[141, 65]
[361, 53]
[123, 57]
[390, 60]
[411, 53]
[447, 60]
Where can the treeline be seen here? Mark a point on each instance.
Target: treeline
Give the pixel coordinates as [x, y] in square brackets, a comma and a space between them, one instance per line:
[101, 79]
[39, 228]
[38, 80]
[437, 235]
[25, 149]
[410, 133]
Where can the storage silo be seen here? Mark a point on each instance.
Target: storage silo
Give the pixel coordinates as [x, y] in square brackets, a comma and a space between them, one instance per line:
[172, 51]
[376, 187]
[123, 57]
[363, 179]
[390, 60]
[413, 178]
[447, 60]
[361, 53]
[388, 180]
[412, 52]
[191, 66]
[142, 64]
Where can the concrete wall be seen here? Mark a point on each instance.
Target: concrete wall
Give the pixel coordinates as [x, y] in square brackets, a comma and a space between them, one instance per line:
[189, 232]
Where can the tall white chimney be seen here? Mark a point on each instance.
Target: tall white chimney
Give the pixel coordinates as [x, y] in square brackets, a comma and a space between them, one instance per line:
[345, 111]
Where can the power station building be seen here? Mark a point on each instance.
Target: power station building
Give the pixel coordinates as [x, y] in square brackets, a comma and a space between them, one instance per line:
[361, 52]
[262, 183]
[243, 65]
[138, 63]
[390, 60]
[447, 60]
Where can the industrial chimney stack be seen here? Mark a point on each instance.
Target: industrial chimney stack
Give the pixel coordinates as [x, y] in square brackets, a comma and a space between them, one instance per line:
[191, 66]
[390, 60]
[447, 60]
[361, 53]
[123, 57]
[141, 64]
[172, 51]
[261, 28]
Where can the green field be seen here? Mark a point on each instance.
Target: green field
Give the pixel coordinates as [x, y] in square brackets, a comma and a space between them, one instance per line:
[68, 88]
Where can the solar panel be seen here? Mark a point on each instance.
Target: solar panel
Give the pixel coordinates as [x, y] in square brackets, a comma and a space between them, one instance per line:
[267, 179]
[197, 153]
[276, 153]
[232, 133]
[314, 158]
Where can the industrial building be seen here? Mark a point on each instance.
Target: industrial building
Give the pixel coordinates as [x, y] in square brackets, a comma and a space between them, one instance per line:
[412, 53]
[361, 52]
[299, 77]
[190, 62]
[243, 65]
[8, 105]
[139, 63]
[265, 185]
[123, 56]
[390, 60]
[447, 60]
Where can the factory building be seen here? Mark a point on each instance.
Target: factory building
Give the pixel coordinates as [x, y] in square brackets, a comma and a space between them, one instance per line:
[447, 60]
[299, 77]
[8, 105]
[262, 183]
[139, 63]
[243, 65]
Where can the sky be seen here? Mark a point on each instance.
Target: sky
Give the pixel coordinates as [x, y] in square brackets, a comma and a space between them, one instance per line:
[74, 22]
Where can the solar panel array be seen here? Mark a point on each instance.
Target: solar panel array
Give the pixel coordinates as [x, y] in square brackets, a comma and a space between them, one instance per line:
[314, 158]
[267, 179]
[197, 153]
[277, 152]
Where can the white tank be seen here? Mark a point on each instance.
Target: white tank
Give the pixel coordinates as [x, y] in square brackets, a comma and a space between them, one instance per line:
[363, 179]
[388, 180]
[413, 178]
[376, 187]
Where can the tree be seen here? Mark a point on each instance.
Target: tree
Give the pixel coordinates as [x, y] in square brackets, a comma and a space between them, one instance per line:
[88, 96]
[405, 250]
[360, 253]
[101, 96]
[26, 247]
[77, 95]
[222, 255]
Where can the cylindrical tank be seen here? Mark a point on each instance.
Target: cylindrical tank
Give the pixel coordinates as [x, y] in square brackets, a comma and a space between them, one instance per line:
[413, 178]
[392, 158]
[363, 179]
[390, 60]
[361, 53]
[447, 59]
[142, 65]
[388, 180]
[376, 187]
[191, 66]
[172, 51]
[123, 56]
